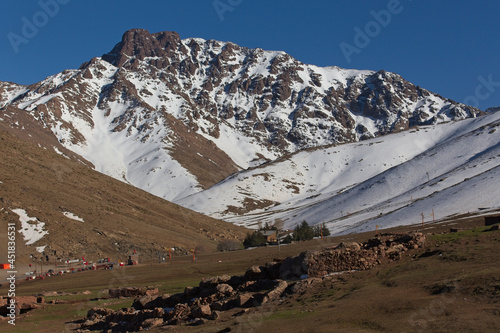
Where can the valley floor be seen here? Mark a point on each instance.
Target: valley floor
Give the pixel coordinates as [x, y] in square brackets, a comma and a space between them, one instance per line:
[451, 285]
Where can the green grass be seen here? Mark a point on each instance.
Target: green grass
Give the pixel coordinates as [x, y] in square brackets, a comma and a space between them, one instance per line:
[288, 314]
[74, 297]
[114, 305]
[326, 294]
[460, 235]
[54, 316]
[177, 286]
[41, 319]
[369, 324]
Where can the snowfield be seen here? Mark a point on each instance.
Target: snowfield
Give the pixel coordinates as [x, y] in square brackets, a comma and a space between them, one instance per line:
[451, 168]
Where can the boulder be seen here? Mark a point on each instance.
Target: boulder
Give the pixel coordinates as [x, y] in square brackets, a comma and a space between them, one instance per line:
[350, 246]
[255, 286]
[146, 302]
[273, 269]
[235, 281]
[170, 301]
[208, 283]
[243, 299]
[122, 315]
[294, 267]
[215, 315]
[393, 254]
[158, 312]
[98, 313]
[255, 273]
[212, 282]
[191, 292]
[180, 310]
[142, 315]
[203, 311]
[224, 278]
[152, 322]
[152, 291]
[198, 321]
[278, 290]
[26, 303]
[90, 323]
[224, 290]
[258, 299]
[224, 305]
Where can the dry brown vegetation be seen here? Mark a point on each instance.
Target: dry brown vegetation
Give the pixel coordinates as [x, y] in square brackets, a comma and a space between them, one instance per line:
[248, 205]
[450, 285]
[118, 217]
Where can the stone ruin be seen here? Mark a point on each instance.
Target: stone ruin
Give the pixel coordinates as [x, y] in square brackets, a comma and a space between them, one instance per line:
[126, 292]
[357, 257]
[23, 304]
[259, 285]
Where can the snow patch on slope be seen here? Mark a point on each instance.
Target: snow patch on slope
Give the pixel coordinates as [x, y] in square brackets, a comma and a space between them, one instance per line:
[31, 228]
[40, 249]
[72, 216]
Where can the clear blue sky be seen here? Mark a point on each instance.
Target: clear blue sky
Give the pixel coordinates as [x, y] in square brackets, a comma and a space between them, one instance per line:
[450, 47]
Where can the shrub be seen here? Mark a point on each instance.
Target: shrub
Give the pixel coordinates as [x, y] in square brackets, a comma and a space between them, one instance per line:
[319, 229]
[200, 248]
[254, 239]
[303, 232]
[287, 240]
[229, 245]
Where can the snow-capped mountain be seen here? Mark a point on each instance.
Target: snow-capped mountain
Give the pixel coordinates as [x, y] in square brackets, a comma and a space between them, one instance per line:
[447, 169]
[174, 117]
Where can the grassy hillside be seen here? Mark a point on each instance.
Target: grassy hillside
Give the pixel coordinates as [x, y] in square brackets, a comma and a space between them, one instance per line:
[118, 218]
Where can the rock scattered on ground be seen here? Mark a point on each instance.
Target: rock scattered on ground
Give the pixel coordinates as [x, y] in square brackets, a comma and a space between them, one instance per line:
[257, 286]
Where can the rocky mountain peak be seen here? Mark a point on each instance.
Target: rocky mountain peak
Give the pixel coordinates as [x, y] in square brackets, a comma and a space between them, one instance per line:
[139, 44]
[174, 116]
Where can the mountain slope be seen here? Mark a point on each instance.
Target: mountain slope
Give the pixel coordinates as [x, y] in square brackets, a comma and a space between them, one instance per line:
[58, 203]
[452, 168]
[174, 117]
